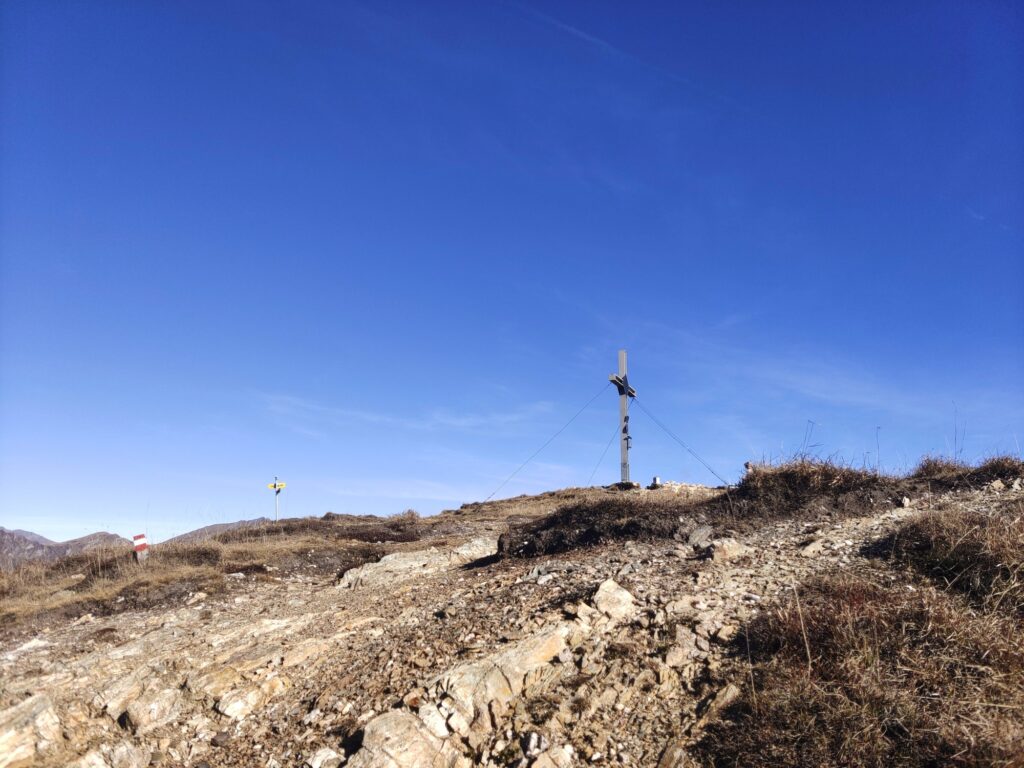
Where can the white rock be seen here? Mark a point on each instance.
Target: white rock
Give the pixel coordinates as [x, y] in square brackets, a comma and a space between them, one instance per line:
[26, 730]
[614, 601]
[31, 645]
[155, 707]
[240, 702]
[479, 687]
[398, 739]
[434, 720]
[91, 759]
[723, 550]
[400, 566]
[325, 758]
[128, 755]
[813, 549]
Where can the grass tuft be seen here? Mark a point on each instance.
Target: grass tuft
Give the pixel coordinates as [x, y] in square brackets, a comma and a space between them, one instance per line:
[979, 552]
[895, 678]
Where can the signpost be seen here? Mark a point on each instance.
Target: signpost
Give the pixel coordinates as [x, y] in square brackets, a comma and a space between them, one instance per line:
[276, 487]
[141, 547]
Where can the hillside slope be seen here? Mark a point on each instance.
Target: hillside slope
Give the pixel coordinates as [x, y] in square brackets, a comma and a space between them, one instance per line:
[19, 546]
[672, 627]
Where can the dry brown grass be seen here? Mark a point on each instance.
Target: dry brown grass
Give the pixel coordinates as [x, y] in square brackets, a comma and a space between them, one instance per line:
[402, 527]
[804, 487]
[110, 581]
[948, 473]
[589, 523]
[101, 582]
[798, 489]
[892, 677]
[976, 551]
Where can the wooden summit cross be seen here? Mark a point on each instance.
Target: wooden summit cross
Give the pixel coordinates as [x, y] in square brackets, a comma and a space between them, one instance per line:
[621, 382]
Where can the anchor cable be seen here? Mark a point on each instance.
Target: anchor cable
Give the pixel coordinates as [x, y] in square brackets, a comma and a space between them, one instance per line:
[618, 427]
[672, 434]
[549, 441]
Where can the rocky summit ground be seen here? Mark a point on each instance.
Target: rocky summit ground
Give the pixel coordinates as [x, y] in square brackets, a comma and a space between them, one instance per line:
[443, 653]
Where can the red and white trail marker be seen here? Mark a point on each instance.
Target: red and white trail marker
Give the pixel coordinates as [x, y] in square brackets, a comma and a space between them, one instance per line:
[141, 547]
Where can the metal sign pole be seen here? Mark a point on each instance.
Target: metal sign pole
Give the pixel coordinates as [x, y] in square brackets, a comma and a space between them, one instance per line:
[276, 487]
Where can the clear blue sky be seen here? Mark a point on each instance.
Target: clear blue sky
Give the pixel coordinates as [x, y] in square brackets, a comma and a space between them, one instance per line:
[385, 250]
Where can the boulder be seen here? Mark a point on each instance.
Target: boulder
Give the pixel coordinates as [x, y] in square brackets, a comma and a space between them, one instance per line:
[676, 756]
[240, 702]
[156, 706]
[128, 755]
[724, 550]
[400, 566]
[813, 549]
[614, 601]
[27, 730]
[325, 758]
[700, 536]
[487, 685]
[397, 739]
[725, 696]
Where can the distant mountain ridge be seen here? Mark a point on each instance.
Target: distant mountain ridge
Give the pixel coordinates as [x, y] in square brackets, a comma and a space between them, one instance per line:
[209, 531]
[18, 546]
[31, 536]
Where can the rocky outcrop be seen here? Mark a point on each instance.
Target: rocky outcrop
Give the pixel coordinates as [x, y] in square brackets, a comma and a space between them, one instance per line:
[28, 731]
[402, 566]
[401, 740]
[617, 655]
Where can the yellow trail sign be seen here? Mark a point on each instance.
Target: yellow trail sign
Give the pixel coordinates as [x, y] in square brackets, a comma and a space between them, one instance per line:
[275, 486]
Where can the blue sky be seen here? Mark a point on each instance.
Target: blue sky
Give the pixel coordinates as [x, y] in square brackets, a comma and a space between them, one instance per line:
[385, 250]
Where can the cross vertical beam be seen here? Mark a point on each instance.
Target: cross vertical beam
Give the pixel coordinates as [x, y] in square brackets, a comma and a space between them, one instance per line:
[621, 382]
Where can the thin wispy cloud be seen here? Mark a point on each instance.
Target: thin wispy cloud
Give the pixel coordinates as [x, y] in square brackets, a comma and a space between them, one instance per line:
[575, 32]
[309, 417]
[761, 398]
[613, 50]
